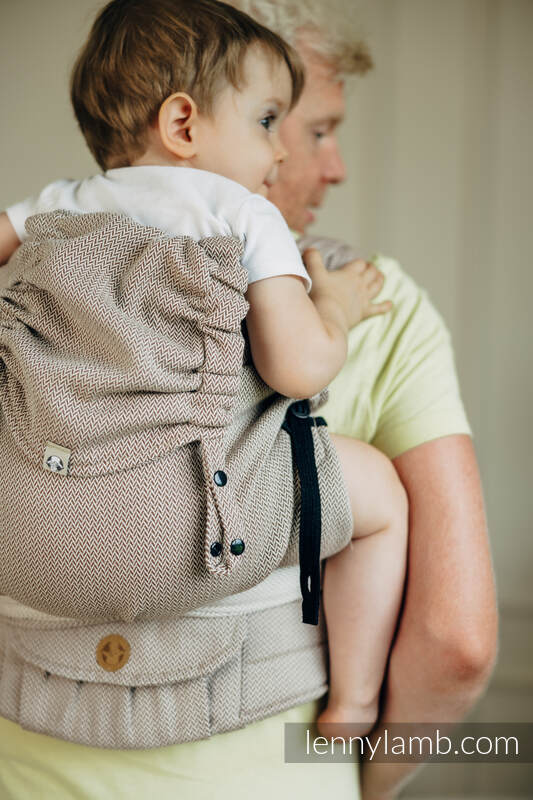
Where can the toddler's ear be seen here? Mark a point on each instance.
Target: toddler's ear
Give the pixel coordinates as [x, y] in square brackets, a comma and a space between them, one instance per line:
[177, 120]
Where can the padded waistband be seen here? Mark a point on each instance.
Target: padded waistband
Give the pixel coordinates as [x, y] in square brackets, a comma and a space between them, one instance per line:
[182, 680]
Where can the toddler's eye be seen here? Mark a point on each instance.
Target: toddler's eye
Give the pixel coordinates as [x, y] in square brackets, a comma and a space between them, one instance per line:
[267, 121]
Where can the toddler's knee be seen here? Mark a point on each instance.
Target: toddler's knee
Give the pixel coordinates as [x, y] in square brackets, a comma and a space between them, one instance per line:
[377, 495]
[400, 491]
[394, 490]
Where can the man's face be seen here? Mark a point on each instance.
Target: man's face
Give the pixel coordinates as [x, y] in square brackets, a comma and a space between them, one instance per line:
[309, 135]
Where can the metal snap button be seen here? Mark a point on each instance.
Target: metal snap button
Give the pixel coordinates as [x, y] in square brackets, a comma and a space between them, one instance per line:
[237, 547]
[300, 409]
[216, 549]
[112, 652]
[220, 478]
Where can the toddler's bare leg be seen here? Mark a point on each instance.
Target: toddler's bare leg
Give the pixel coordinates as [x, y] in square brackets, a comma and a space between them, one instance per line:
[362, 588]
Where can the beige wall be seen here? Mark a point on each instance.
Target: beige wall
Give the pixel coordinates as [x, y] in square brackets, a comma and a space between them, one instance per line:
[438, 145]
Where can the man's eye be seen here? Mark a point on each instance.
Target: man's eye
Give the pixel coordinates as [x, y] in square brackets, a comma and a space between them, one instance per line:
[267, 121]
[319, 134]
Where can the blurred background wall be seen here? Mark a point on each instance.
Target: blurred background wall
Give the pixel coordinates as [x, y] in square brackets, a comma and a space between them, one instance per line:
[438, 144]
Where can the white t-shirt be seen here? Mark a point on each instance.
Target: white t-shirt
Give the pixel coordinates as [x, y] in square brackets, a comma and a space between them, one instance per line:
[179, 201]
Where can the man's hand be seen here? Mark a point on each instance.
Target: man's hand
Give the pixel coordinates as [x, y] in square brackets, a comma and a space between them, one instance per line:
[353, 286]
[9, 241]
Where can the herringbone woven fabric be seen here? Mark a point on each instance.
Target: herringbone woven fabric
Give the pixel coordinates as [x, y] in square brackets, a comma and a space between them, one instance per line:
[125, 346]
[186, 679]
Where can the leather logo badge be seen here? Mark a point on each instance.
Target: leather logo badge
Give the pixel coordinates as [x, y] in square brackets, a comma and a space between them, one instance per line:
[112, 652]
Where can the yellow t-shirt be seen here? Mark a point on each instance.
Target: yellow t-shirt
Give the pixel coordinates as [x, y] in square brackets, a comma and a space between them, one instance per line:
[398, 389]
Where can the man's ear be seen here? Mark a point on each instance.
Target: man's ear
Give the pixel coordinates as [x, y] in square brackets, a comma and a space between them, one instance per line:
[177, 122]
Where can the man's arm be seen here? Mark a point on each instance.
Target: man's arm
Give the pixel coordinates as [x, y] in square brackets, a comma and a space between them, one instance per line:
[446, 642]
[9, 241]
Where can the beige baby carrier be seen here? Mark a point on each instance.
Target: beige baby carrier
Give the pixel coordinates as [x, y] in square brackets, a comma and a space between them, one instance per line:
[146, 471]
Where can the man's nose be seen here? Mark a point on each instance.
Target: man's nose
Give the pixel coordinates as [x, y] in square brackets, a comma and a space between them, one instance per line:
[333, 168]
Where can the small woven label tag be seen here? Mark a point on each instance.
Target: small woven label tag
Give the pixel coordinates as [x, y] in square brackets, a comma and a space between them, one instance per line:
[56, 458]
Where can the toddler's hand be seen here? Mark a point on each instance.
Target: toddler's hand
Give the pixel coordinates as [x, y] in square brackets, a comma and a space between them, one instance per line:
[353, 286]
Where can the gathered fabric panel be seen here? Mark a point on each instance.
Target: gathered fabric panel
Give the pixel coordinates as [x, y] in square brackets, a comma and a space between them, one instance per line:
[116, 338]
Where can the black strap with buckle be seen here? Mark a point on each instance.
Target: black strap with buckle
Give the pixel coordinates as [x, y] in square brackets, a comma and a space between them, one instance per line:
[298, 424]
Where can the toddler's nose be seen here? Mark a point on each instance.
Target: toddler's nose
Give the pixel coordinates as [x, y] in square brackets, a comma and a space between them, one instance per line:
[280, 154]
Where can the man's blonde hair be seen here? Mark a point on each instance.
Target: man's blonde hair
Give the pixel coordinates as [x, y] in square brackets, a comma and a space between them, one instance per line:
[139, 52]
[329, 28]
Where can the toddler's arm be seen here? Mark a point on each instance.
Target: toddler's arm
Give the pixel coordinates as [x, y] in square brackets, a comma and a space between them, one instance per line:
[298, 341]
[9, 241]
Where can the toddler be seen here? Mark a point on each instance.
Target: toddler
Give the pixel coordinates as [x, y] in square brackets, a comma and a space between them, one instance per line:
[181, 104]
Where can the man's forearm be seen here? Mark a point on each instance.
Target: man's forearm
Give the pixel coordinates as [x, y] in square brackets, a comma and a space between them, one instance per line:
[447, 638]
[412, 693]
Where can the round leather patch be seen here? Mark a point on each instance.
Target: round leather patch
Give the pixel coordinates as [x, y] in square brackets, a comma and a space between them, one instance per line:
[112, 652]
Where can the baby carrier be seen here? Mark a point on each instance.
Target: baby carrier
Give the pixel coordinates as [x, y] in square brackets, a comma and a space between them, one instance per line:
[146, 470]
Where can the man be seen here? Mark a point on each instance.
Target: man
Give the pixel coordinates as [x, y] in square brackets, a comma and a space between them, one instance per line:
[447, 635]
[445, 644]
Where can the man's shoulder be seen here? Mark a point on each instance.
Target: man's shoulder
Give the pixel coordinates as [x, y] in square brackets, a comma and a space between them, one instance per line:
[415, 314]
[406, 294]
[399, 286]
[398, 387]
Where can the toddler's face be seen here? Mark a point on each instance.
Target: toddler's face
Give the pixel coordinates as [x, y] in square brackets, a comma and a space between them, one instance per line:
[242, 142]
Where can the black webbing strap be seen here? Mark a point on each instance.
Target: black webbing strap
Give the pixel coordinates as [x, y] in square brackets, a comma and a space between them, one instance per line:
[298, 423]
